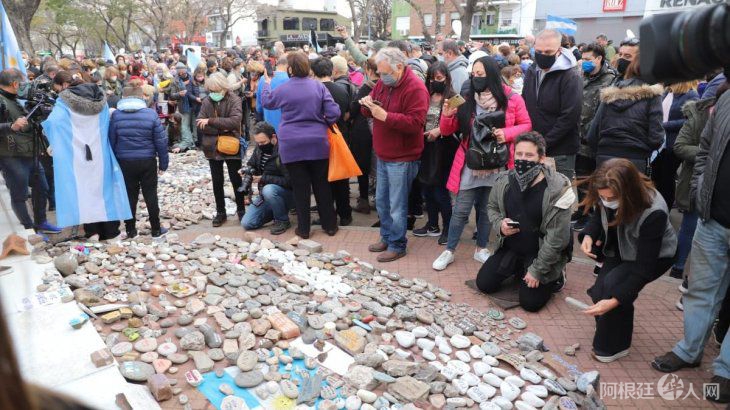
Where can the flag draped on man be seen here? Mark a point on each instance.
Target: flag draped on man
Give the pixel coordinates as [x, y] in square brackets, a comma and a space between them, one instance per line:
[89, 183]
[12, 57]
[562, 24]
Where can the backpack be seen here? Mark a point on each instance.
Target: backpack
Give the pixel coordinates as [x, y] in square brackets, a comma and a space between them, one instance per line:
[484, 151]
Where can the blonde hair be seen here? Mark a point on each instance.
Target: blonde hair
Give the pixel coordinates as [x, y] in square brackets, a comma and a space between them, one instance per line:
[217, 82]
[339, 64]
[683, 87]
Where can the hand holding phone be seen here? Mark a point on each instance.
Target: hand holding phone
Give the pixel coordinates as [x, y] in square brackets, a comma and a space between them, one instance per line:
[455, 101]
[513, 224]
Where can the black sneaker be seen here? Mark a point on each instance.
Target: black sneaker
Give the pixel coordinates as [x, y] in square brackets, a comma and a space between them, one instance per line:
[560, 283]
[676, 273]
[719, 333]
[427, 231]
[345, 221]
[474, 236]
[596, 269]
[131, 234]
[411, 223]
[158, 233]
[219, 219]
[280, 227]
[722, 393]
[444, 238]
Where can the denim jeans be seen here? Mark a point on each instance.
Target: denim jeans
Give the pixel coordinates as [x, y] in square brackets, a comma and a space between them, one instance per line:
[391, 199]
[465, 200]
[708, 284]
[187, 140]
[18, 173]
[438, 201]
[684, 237]
[277, 201]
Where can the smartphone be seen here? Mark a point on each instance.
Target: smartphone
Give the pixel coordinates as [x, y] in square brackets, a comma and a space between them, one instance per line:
[513, 224]
[455, 101]
[378, 103]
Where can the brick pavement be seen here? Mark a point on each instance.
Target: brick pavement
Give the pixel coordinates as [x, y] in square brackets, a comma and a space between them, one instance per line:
[657, 325]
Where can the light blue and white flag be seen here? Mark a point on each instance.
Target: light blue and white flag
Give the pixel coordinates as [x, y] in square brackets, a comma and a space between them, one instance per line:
[89, 183]
[562, 24]
[12, 57]
[108, 55]
[193, 54]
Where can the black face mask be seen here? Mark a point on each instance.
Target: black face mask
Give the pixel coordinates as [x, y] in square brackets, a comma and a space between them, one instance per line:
[438, 87]
[479, 84]
[267, 148]
[622, 64]
[545, 61]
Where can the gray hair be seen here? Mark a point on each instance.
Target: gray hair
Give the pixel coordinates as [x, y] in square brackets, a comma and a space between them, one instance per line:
[216, 82]
[551, 34]
[392, 56]
[11, 75]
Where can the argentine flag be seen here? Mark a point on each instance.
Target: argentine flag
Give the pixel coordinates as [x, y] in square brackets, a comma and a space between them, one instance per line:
[12, 58]
[89, 183]
[108, 55]
[562, 24]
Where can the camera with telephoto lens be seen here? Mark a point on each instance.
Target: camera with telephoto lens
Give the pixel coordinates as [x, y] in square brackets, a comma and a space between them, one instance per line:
[246, 180]
[39, 99]
[685, 46]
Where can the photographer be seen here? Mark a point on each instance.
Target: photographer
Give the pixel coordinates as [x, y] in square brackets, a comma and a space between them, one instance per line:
[275, 194]
[17, 155]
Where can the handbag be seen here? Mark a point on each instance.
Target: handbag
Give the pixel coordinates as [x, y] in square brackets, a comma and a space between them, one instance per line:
[342, 164]
[484, 151]
[227, 143]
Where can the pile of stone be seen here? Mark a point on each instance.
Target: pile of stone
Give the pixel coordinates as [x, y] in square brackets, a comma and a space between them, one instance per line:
[220, 302]
[185, 194]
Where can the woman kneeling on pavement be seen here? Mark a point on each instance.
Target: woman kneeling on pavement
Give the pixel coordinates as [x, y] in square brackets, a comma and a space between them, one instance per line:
[531, 204]
[633, 231]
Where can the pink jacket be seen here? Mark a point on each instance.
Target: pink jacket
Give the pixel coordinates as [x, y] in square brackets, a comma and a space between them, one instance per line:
[516, 120]
[356, 78]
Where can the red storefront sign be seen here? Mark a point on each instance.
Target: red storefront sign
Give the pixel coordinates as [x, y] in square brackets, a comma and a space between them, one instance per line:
[614, 5]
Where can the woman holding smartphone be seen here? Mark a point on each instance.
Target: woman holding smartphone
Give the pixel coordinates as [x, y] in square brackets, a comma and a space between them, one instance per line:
[484, 93]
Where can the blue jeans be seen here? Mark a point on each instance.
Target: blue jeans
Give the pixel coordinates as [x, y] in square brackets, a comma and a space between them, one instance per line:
[391, 200]
[708, 284]
[187, 140]
[277, 201]
[684, 237]
[18, 173]
[465, 200]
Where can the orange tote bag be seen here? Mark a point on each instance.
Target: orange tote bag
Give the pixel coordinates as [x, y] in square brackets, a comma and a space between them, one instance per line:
[342, 164]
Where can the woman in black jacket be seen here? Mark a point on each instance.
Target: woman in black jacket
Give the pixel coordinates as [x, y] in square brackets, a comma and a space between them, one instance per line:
[438, 155]
[628, 123]
[361, 136]
[632, 230]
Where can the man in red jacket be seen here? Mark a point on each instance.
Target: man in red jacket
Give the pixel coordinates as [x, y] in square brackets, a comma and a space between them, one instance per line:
[398, 105]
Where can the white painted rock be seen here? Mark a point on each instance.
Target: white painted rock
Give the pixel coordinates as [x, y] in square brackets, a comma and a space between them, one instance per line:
[460, 341]
[476, 352]
[492, 379]
[530, 376]
[521, 405]
[405, 339]
[501, 372]
[425, 344]
[481, 368]
[463, 356]
[503, 403]
[470, 379]
[509, 391]
[490, 360]
[532, 399]
[539, 391]
[515, 380]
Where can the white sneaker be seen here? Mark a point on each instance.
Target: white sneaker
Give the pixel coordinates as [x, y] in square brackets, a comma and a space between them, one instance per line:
[482, 255]
[443, 260]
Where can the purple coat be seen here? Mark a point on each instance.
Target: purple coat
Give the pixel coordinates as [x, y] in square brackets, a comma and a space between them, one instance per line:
[307, 109]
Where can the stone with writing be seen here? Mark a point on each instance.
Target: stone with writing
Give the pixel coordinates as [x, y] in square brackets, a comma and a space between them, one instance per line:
[350, 341]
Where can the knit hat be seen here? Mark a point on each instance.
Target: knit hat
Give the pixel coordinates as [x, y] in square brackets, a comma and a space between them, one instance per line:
[137, 92]
[378, 45]
[179, 66]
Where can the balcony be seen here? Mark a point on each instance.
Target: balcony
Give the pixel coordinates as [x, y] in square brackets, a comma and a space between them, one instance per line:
[262, 33]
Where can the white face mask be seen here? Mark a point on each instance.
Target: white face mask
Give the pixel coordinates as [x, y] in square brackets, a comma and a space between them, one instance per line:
[610, 204]
[518, 83]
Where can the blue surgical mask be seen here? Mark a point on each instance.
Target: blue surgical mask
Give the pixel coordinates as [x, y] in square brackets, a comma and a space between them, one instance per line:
[588, 66]
[388, 80]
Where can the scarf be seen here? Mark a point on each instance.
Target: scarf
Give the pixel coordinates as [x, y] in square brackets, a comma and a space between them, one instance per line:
[525, 180]
[486, 100]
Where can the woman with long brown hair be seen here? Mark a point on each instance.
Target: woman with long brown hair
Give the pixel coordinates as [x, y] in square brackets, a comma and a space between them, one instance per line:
[632, 230]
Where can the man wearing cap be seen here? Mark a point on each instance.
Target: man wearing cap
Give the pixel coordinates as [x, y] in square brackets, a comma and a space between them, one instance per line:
[178, 93]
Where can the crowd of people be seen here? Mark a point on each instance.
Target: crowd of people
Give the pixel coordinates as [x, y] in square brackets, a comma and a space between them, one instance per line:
[543, 139]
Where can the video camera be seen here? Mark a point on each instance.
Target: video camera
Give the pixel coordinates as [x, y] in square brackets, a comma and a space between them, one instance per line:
[685, 46]
[246, 180]
[39, 99]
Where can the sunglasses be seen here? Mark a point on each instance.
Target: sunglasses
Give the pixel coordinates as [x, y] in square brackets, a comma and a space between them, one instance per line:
[630, 42]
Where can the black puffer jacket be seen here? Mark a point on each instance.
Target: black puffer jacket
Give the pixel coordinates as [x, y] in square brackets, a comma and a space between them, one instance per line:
[272, 172]
[628, 123]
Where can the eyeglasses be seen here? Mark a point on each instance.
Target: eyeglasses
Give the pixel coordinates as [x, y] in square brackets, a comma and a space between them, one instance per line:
[630, 42]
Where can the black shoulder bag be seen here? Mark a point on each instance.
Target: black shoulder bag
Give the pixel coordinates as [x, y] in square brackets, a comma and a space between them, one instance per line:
[484, 151]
